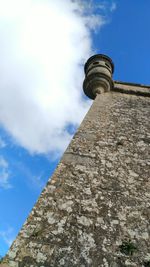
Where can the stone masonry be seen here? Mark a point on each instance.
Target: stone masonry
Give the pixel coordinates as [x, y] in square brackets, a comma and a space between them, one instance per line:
[95, 210]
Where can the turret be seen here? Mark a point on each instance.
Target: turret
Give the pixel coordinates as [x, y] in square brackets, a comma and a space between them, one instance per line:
[98, 75]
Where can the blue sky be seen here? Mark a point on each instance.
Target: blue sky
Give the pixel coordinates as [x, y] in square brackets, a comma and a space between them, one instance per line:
[43, 46]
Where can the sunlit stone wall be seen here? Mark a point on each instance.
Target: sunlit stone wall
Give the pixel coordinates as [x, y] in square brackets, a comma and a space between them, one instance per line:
[95, 210]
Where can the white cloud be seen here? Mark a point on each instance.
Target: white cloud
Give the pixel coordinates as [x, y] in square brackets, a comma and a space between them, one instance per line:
[43, 44]
[4, 174]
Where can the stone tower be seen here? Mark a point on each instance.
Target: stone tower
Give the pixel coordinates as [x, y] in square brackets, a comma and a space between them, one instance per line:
[95, 210]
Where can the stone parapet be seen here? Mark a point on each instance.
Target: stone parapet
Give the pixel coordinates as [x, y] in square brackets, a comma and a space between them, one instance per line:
[132, 88]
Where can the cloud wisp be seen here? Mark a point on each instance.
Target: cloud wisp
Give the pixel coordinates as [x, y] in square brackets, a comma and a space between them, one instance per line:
[7, 235]
[4, 174]
[2, 143]
[43, 45]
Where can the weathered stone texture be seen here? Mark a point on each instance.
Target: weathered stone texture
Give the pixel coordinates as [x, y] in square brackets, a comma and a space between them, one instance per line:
[95, 211]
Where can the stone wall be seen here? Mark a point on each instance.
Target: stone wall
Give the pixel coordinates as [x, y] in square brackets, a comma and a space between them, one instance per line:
[95, 210]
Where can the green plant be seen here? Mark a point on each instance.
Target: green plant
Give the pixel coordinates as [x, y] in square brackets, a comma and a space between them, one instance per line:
[147, 263]
[36, 233]
[127, 247]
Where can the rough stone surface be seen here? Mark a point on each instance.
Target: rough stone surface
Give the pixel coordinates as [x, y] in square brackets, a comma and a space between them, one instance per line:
[95, 210]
